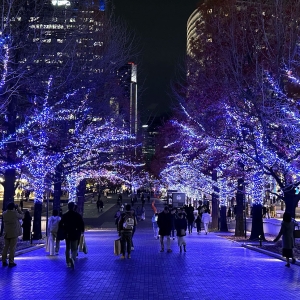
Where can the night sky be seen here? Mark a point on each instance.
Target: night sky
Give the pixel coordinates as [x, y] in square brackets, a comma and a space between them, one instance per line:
[161, 29]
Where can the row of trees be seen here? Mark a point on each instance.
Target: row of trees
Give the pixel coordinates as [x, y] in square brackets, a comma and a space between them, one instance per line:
[62, 104]
[239, 107]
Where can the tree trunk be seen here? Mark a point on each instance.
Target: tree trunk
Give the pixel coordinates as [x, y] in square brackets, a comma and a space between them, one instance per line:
[215, 204]
[257, 231]
[37, 219]
[57, 187]
[239, 226]
[223, 221]
[9, 187]
[291, 202]
[80, 196]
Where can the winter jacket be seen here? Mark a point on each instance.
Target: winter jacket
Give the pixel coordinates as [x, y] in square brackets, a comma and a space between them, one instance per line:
[180, 224]
[205, 218]
[164, 223]
[72, 224]
[12, 225]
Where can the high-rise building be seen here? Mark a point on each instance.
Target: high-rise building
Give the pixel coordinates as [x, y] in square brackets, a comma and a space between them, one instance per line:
[128, 81]
[68, 35]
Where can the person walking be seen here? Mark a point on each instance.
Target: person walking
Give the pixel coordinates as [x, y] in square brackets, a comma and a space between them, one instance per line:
[229, 215]
[120, 198]
[126, 224]
[205, 220]
[138, 213]
[117, 219]
[181, 227]
[173, 217]
[190, 220]
[155, 226]
[53, 223]
[143, 213]
[198, 224]
[73, 226]
[21, 204]
[134, 227]
[100, 205]
[164, 222]
[12, 229]
[143, 199]
[287, 233]
[26, 226]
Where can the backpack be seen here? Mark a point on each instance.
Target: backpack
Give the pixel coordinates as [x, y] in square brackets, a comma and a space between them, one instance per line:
[128, 222]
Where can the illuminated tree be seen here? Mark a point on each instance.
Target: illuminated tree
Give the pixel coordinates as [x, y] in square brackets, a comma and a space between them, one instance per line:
[82, 65]
[241, 92]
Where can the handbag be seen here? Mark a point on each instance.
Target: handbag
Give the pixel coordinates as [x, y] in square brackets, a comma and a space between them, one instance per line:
[182, 231]
[117, 247]
[82, 245]
[296, 234]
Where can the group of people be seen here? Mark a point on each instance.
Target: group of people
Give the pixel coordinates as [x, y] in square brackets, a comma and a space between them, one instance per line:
[134, 198]
[69, 227]
[180, 220]
[70, 224]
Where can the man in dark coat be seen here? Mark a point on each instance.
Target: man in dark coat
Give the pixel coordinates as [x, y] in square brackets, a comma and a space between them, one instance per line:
[164, 223]
[73, 226]
[100, 205]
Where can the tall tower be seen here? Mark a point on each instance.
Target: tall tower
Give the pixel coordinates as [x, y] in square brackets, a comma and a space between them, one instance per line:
[128, 81]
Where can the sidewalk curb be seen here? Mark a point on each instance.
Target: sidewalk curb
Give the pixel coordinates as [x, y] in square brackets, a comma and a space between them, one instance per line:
[28, 249]
[263, 251]
[266, 252]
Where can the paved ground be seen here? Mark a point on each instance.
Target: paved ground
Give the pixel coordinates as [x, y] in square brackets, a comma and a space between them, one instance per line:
[213, 268]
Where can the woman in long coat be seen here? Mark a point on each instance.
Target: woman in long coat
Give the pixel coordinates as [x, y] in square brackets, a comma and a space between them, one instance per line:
[287, 233]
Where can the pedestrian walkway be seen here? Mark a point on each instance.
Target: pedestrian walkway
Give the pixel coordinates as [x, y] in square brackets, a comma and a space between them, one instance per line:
[213, 268]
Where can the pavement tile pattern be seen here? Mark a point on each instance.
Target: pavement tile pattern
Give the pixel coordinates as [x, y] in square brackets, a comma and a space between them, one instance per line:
[212, 268]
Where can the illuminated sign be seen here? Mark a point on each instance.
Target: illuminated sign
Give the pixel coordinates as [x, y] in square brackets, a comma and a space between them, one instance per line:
[61, 2]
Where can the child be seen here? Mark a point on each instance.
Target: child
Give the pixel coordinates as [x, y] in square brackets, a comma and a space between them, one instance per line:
[181, 227]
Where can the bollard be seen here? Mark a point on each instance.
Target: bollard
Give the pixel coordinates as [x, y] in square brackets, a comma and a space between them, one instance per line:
[260, 240]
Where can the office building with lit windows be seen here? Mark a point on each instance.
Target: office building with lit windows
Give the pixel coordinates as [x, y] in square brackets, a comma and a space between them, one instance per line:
[68, 31]
[128, 81]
